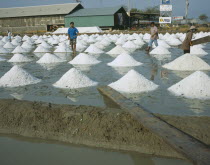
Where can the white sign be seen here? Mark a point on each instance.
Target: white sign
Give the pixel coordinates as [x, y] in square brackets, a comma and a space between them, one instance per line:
[164, 20]
[165, 7]
[178, 18]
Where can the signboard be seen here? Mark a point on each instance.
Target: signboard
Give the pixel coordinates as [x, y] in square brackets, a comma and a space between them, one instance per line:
[166, 2]
[165, 7]
[178, 18]
[163, 20]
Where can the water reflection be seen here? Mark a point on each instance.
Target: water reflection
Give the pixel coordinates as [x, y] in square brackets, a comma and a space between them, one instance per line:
[24, 151]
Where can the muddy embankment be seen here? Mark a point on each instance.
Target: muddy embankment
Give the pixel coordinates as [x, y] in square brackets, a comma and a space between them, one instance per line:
[93, 126]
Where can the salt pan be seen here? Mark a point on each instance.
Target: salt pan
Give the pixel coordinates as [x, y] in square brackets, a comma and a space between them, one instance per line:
[195, 86]
[187, 62]
[133, 82]
[17, 76]
[74, 79]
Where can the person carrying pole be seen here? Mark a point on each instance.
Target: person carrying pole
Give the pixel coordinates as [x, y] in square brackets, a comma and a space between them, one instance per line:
[72, 36]
[188, 40]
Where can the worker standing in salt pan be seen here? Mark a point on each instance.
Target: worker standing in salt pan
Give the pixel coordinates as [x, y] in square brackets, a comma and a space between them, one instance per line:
[72, 34]
[9, 35]
[154, 36]
[188, 40]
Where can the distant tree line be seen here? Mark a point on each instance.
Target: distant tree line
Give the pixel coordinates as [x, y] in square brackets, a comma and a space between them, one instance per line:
[203, 17]
[148, 10]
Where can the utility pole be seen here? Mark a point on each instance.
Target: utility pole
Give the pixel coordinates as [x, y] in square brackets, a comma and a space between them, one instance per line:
[186, 10]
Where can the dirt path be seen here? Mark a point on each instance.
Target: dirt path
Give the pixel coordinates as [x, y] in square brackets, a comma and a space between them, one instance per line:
[93, 126]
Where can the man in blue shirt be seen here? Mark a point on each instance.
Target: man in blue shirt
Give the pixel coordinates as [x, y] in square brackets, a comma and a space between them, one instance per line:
[73, 33]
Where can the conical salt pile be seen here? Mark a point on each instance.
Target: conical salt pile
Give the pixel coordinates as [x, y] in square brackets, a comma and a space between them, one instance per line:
[174, 41]
[3, 50]
[197, 50]
[62, 48]
[187, 62]
[139, 42]
[26, 45]
[124, 60]
[130, 45]
[19, 49]
[94, 49]
[117, 50]
[41, 49]
[9, 45]
[133, 82]
[195, 86]
[20, 58]
[74, 79]
[160, 50]
[49, 58]
[17, 76]
[84, 59]
[2, 43]
[45, 45]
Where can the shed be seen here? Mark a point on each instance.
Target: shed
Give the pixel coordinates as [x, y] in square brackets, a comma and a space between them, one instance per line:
[35, 18]
[114, 17]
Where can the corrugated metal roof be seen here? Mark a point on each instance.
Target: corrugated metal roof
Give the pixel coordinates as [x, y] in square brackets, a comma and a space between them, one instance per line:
[38, 10]
[95, 11]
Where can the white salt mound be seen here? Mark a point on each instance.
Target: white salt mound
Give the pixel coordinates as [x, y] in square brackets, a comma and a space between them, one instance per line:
[160, 50]
[3, 50]
[74, 79]
[41, 49]
[197, 50]
[17, 76]
[133, 82]
[49, 58]
[19, 49]
[9, 45]
[130, 44]
[187, 62]
[84, 59]
[124, 60]
[20, 58]
[195, 86]
[117, 50]
[94, 49]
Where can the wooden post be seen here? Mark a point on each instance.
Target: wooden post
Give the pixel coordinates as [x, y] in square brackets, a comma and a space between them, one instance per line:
[192, 149]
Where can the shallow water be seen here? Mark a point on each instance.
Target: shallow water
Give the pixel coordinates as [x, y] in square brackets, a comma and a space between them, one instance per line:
[159, 101]
[19, 151]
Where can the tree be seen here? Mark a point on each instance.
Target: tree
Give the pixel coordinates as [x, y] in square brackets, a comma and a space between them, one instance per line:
[148, 10]
[203, 17]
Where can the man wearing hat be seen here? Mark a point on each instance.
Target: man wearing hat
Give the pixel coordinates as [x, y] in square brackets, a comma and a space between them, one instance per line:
[187, 41]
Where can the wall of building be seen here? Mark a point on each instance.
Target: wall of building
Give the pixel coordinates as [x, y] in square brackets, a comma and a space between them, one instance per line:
[107, 20]
[29, 24]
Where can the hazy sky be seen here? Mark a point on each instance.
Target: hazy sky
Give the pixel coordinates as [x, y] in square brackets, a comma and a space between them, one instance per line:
[196, 7]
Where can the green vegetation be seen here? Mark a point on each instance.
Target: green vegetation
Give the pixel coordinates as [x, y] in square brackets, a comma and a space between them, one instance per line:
[203, 17]
[148, 10]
